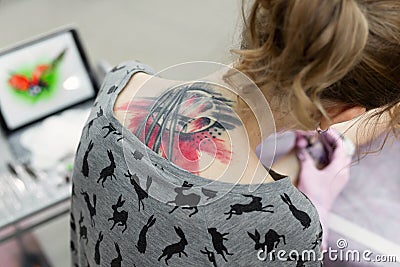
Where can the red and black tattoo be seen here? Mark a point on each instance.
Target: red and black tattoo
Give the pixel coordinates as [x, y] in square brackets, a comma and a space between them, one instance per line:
[184, 122]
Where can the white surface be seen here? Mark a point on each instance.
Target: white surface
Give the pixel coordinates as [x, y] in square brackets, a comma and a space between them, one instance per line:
[365, 237]
[54, 138]
[54, 239]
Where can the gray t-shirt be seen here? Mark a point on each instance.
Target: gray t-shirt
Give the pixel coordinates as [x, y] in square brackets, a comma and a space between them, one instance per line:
[132, 207]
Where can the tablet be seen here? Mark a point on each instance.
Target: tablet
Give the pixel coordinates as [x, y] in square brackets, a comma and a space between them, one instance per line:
[42, 77]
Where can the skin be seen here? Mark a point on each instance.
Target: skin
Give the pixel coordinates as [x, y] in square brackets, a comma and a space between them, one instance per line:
[340, 118]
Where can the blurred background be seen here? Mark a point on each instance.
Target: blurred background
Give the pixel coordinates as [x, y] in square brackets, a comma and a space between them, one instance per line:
[158, 33]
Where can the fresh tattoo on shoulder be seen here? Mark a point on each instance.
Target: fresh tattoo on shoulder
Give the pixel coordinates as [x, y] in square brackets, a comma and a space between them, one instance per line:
[183, 123]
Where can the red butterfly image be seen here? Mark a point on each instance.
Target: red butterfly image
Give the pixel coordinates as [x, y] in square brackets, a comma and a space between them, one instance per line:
[35, 84]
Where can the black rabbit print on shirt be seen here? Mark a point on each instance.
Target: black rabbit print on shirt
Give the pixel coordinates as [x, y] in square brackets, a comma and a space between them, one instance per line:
[142, 243]
[209, 193]
[82, 229]
[91, 208]
[254, 205]
[137, 155]
[73, 190]
[109, 170]
[72, 246]
[97, 248]
[271, 241]
[72, 223]
[117, 220]
[111, 129]
[175, 248]
[185, 201]
[217, 240]
[141, 194]
[119, 217]
[90, 123]
[116, 262]
[210, 256]
[318, 239]
[112, 89]
[299, 260]
[85, 164]
[117, 68]
[300, 215]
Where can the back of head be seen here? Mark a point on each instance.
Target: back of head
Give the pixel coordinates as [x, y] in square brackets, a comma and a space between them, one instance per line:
[313, 53]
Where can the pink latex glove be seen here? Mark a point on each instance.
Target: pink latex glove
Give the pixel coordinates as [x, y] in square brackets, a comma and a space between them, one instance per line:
[322, 186]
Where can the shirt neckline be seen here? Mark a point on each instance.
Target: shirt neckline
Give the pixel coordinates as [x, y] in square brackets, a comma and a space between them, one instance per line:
[134, 67]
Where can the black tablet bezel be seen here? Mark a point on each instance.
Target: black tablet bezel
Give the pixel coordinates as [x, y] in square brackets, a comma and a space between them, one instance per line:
[85, 62]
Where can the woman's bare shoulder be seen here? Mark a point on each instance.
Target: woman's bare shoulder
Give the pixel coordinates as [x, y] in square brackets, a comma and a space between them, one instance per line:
[193, 124]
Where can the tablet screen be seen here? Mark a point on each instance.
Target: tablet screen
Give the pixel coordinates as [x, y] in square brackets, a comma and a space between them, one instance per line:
[42, 77]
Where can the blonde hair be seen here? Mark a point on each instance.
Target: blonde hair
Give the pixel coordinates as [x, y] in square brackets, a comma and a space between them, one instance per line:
[312, 52]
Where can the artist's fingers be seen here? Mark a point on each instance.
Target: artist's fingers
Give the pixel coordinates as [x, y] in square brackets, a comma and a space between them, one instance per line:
[306, 161]
[301, 139]
[342, 147]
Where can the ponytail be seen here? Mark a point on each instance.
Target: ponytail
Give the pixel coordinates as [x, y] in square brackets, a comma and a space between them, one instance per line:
[295, 49]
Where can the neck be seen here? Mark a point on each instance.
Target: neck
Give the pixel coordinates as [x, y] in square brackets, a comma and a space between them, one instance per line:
[252, 127]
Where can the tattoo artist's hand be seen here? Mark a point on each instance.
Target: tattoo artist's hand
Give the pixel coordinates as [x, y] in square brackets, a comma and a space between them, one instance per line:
[322, 186]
